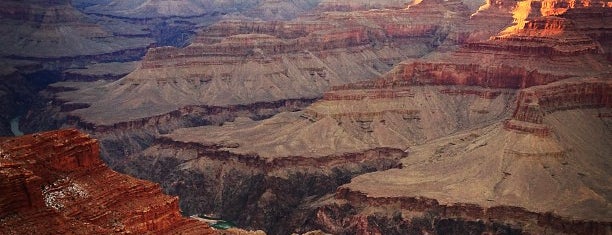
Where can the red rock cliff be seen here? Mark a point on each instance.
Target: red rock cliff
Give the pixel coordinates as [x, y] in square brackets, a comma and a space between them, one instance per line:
[55, 182]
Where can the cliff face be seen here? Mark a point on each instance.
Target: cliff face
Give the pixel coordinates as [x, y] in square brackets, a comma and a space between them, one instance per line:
[509, 135]
[456, 184]
[535, 103]
[235, 63]
[253, 69]
[255, 191]
[50, 30]
[56, 182]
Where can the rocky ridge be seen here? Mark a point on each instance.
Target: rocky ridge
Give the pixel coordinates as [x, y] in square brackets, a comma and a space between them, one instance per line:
[271, 62]
[56, 182]
[489, 137]
[265, 67]
[52, 30]
[255, 191]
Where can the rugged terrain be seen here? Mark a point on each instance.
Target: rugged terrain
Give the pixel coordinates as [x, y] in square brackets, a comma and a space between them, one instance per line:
[40, 30]
[259, 9]
[55, 182]
[434, 118]
[508, 135]
[247, 68]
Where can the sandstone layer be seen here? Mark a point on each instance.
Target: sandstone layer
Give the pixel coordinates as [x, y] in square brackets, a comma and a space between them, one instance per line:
[258, 9]
[490, 178]
[55, 182]
[508, 135]
[248, 62]
[252, 190]
[51, 30]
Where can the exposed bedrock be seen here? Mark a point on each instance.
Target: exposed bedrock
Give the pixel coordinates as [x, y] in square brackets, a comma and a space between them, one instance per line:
[274, 194]
[265, 68]
[272, 174]
[488, 180]
[50, 31]
[536, 102]
[418, 215]
[56, 182]
[121, 139]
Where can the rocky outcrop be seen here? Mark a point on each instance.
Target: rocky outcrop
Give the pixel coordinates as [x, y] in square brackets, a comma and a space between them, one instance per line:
[428, 215]
[54, 30]
[255, 191]
[359, 5]
[452, 185]
[56, 182]
[536, 102]
[268, 61]
[537, 54]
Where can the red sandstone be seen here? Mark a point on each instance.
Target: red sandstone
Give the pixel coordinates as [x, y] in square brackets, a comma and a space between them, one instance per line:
[55, 182]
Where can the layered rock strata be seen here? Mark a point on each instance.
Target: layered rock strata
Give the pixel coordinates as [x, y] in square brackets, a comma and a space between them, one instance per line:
[489, 179]
[50, 31]
[55, 182]
[242, 68]
[489, 136]
[267, 62]
[254, 190]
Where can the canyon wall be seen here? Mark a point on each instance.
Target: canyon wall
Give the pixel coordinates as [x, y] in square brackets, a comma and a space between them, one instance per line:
[251, 190]
[56, 182]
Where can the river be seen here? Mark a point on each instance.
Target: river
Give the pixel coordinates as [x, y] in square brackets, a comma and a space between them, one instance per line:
[15, 126]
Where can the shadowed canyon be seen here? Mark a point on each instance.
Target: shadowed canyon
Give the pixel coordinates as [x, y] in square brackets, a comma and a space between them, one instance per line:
[306, 117]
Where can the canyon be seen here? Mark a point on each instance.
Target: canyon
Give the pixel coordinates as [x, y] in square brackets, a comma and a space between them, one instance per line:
[244, 68]
[514, 140]
[342, 117]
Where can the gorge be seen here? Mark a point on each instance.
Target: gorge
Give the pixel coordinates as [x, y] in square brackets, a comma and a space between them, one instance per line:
[341, 117]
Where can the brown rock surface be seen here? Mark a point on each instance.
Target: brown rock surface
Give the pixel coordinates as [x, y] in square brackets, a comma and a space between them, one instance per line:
[235, 63]
[474, 165]
[55, 182]
[43, 30]
[516, 178]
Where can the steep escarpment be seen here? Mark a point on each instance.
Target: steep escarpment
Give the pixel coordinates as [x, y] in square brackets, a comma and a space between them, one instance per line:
[534, 103]
[509, 135]
[243, 68]
[548, 49]
[253, 190]
[490, 179]
[49, 31]
[56, 182]
[540, 171]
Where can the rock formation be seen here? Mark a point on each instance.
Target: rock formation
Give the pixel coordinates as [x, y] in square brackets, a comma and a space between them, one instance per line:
[255, 190]
[501, 129]
[55, 182]
[244, 63]
[43, 30]
[508, 135]
[244, 68]
[491, 179]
